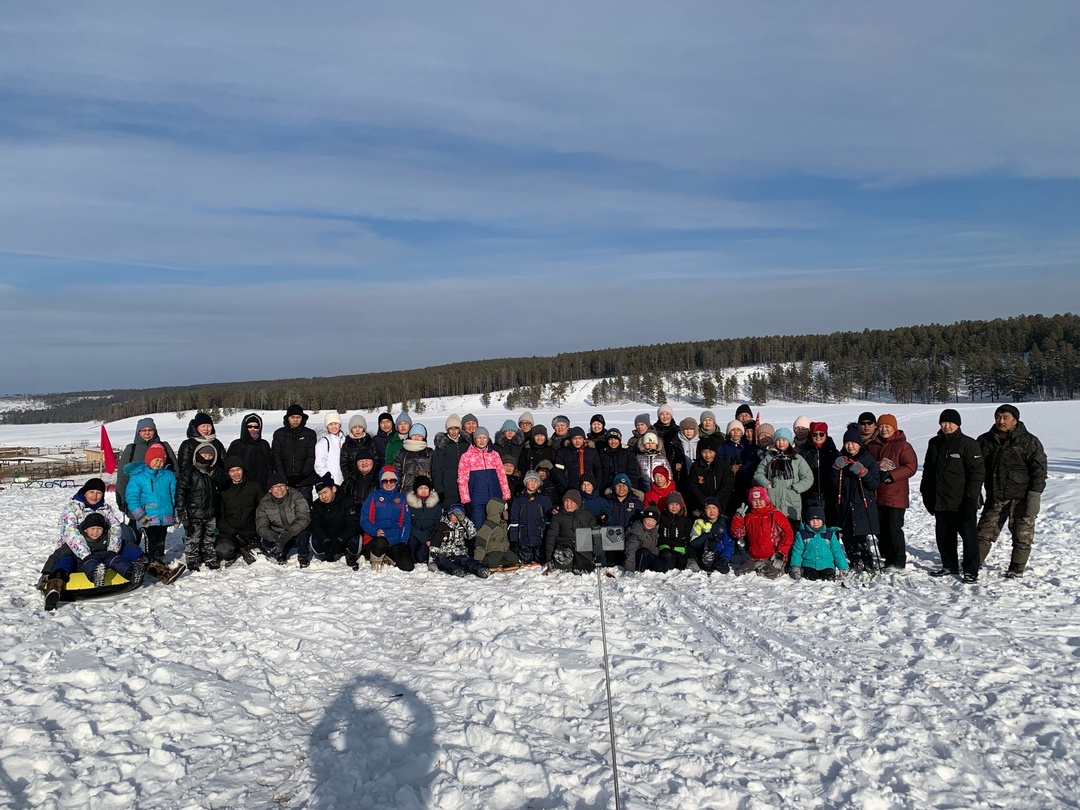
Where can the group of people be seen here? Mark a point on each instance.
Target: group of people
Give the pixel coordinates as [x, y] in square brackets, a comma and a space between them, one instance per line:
[687, 494]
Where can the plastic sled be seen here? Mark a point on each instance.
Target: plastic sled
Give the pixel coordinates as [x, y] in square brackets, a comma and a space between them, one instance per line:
[79, 587]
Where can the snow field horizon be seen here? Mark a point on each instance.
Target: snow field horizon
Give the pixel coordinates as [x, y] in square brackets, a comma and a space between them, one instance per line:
[260, 686]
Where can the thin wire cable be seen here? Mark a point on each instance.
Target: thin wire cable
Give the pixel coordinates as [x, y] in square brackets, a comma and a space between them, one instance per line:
[607, 684]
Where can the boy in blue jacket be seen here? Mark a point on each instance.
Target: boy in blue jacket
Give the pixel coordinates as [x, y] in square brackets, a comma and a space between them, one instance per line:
[530, 513]
[818, 552]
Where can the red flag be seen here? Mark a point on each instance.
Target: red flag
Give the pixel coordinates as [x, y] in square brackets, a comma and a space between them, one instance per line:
[107, 454]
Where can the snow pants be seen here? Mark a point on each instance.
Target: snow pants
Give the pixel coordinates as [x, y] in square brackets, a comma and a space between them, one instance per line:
[1021, 526]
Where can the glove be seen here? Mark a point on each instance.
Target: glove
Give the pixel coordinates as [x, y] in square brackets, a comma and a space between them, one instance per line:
[840, 463]
[742, 510]
[841, 573]
[796, 573]
[969, 508]
[724, 567]
[1034, 501]
[886, 477]
[777, 558]
[144, 521]
[857, 468]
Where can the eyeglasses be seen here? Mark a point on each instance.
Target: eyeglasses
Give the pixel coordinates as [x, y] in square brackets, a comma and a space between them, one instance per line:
[819, 435]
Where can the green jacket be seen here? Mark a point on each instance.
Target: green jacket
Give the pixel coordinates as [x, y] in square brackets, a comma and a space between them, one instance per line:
[1015, 464]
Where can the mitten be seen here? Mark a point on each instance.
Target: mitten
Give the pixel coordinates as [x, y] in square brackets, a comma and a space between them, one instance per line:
[1034, 501]
[144, 521]
[857, 468]
[796, 573]
[840, 463]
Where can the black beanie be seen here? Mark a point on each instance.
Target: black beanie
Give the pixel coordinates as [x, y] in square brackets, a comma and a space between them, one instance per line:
[95, 484]
[950, 415]
[1001, 409]
[93, 519]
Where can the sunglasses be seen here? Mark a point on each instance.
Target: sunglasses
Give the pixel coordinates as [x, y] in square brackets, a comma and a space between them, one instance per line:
[867, 423]
[820, 435]
[252, 427]
[389, 481]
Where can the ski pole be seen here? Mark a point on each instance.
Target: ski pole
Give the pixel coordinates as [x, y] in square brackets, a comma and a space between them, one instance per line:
[607, 684]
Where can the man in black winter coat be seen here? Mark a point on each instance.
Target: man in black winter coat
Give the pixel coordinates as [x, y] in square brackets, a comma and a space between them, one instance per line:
[293, 451]
[335, 525]
[953, 474]
[1015, 480]
[253, 451]
[236, 533]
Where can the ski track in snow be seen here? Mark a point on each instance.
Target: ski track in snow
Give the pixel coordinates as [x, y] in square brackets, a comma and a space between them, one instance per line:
[269, 686]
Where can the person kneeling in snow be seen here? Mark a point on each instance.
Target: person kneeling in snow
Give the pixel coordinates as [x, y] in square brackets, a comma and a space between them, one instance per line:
[450, 545]
[282, 520]
[387, 525]
[767, 533]
[560, 542]
[818, 552]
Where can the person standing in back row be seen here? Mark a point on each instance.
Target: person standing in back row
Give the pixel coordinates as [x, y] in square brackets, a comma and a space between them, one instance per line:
[1015, 480]
[293, 451]
[953, 474]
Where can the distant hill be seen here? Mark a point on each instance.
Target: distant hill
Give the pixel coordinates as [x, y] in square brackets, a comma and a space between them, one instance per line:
[1021, 358]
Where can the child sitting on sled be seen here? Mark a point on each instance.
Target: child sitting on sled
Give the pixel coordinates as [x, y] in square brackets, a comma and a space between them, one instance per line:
[450, 545]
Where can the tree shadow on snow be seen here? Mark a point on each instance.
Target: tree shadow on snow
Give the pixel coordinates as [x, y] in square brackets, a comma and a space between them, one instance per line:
[374, 747]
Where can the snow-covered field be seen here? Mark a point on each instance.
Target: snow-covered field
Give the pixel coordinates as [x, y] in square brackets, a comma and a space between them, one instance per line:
[263, 686]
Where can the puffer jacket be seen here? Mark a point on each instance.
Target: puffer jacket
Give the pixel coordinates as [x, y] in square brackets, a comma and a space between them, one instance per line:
[451, 539]
[647, 462]
[893, 489]
[335, 520]
[533, 454]
[186, 453]
[820, 461]
[414, 459]
[784, 492]
[328, 456]
[954, 470]
[387, 511]
[857, 508]
[562, 531]
[637, 536]
[286, 516]
[424, 515]
[73, 514]
[444, 465]
[238, 504]
[352, 447]
[481, 476]
[253, 451]
[766, 531]
[708, 481]
[150, 493]
[571, 463]
[623, 513]
[529, 517]
[613, 462]
[1015, 464]
[818, 550]
[293, 451]
[133, 455]
[198, 491]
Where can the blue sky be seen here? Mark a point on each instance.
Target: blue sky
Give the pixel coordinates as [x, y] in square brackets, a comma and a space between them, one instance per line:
[215, 192]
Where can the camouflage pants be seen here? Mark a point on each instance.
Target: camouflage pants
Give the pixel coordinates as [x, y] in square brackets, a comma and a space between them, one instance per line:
[1021, 527]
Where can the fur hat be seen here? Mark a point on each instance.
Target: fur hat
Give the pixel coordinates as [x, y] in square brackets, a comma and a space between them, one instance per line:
[545, 464]
[156, 450]
[456, 509]
[331, 417]
[421, 481]
[452, 421]
[950, 415]
[358, 419]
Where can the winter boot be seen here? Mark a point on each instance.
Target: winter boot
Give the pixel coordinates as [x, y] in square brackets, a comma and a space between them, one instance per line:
[483, 573]
[352, 561]
[245, 552]
[163, 574]
[692, 565]
[304, 563]
[138, 570]
[53, 588]
[378, 561]
[97, 576]
[458, 571]
[708, 556]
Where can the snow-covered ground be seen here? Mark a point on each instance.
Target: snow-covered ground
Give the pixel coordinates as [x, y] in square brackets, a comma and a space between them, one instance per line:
[264, 686]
